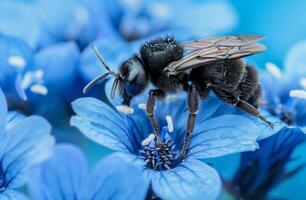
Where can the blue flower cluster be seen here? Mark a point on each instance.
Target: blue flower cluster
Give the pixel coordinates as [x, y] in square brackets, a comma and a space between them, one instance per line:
[46, 60]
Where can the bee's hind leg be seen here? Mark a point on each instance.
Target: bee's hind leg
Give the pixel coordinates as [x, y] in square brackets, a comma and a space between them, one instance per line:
[153, 94]
[193, 101]
[247, 107]
[241, 104]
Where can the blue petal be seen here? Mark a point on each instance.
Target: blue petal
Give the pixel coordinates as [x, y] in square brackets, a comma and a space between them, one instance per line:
[192, 179]
[116, 178]
[295, 61]
[24, 143]
[223, 135]
[13, 118]
[3, 112]
[102, 124]
[15, 20]
[12, 194]
[64, 176]
[59, 63]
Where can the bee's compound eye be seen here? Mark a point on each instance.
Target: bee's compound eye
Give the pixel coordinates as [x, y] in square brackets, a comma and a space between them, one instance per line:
[133, 75]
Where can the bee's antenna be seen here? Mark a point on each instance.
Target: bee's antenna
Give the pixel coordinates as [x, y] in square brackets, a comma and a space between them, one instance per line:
[102, 76]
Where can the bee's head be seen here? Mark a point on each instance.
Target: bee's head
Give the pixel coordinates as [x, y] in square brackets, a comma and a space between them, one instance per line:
[131, 80]
[134, 79]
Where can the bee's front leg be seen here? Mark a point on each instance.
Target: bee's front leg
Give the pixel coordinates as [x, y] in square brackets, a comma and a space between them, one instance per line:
[193, 101]
[153, 94]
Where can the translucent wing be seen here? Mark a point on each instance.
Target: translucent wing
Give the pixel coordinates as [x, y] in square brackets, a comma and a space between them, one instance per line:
[201, 52]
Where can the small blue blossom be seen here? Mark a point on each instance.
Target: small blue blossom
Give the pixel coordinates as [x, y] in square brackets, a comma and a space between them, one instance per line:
[18, 77]
[260, 171]
[285, 97]
[169, 178]
[66, 176]
[24, 142]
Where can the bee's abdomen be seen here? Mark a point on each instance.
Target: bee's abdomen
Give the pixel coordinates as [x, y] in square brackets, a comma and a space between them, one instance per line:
[225, 74]
[157, 54]
[248, 87]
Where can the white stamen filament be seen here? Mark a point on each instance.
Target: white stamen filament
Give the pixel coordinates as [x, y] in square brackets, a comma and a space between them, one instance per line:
[170, 123]
[142, 106]
[298, 94]
[274, 70]
[39, 74]
[147, 141]
[26, 80]
[170, 98]
[17, 61]
[39, 89]
[303, 83]
[125, 109]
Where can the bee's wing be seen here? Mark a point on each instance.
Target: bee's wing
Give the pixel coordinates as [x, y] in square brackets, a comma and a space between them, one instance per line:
[205, 51]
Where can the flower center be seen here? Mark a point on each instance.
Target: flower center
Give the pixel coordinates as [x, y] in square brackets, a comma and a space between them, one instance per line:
[32, 80]
[286, 116]
[158, 157]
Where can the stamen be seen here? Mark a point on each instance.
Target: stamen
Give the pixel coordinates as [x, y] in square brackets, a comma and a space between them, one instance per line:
[170, 123]
[147, 141]
[170, 98]
[26, 80]
[17, 61]
[32, 80]
[274, 70]
[142, 106]
[39, 74]
[125, 109]
[39, 89]
[303, 83]
[298, 94]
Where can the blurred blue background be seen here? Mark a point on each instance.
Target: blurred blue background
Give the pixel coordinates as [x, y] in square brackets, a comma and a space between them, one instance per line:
[57, 35]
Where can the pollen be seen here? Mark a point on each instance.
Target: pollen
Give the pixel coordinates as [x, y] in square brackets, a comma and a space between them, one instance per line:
[125, 109]
[303, 83]
[170, 123]
[39, 89]
[274, 70]
[298, 94]
[17, 61]
[142, 106]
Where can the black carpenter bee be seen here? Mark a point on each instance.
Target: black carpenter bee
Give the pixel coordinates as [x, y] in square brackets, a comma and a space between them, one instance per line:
[197, 67]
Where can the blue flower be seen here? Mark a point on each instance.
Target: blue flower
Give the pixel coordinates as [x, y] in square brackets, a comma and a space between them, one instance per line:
[24, 141]
[285, 95]
[260, 171]
[18, 75]
[169, 178]
[66, 176]
[49, 22]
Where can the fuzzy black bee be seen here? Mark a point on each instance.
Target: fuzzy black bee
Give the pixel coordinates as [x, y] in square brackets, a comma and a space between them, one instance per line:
[196, 67]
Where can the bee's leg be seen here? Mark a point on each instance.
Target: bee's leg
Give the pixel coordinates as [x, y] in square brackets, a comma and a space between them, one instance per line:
[153, 94]
[247, 107]
[193, 100]
[241, 104]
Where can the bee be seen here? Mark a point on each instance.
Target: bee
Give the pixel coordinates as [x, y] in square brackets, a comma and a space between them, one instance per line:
[196, 67]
